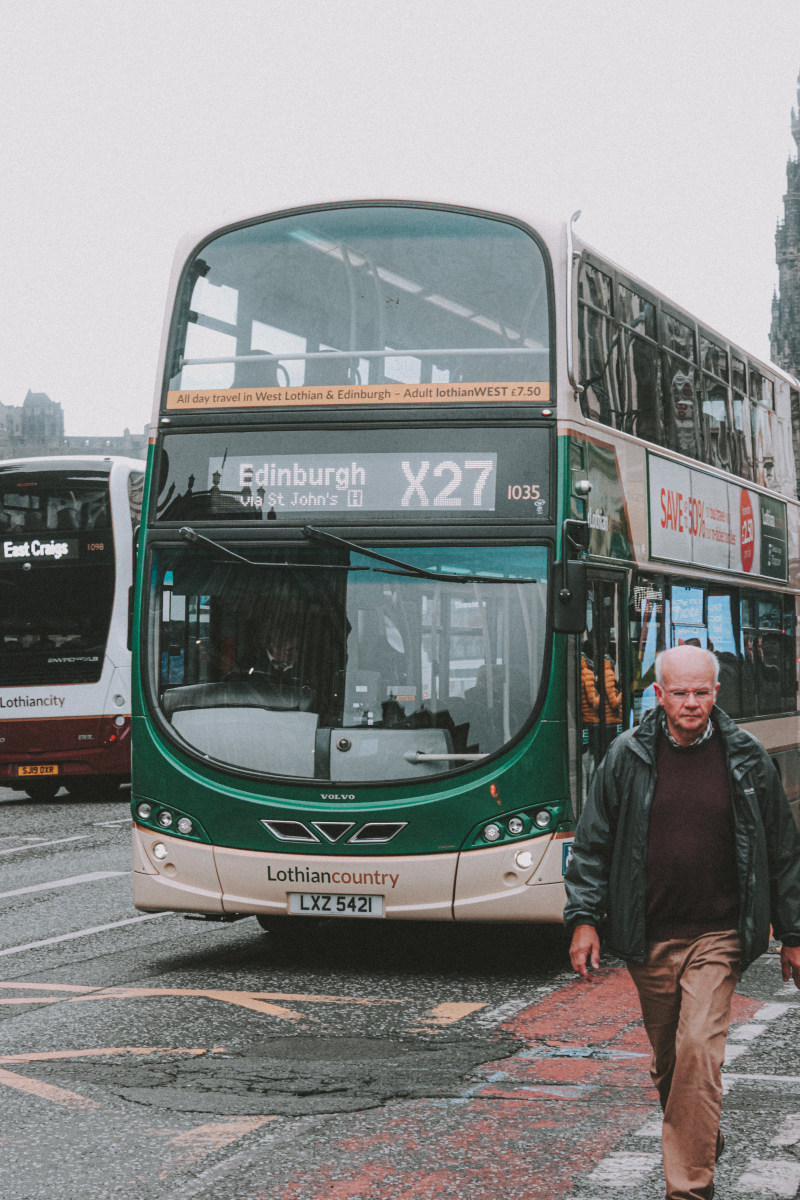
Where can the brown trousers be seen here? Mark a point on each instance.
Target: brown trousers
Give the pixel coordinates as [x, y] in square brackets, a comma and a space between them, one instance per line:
[685, 989]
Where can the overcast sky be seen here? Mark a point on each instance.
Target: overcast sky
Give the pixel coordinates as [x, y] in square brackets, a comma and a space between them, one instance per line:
[126, 124]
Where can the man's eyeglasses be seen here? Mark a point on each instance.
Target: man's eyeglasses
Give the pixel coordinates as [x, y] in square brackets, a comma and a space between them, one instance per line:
[700, 694]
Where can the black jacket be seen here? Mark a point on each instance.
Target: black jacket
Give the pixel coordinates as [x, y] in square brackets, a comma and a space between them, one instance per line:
[606, 876]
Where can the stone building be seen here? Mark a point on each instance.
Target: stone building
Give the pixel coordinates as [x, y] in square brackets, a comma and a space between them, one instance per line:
[36, 427]
[785, 327]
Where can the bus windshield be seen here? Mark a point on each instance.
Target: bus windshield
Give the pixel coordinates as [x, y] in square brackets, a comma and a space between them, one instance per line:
[56, 576]
[362, 304]
[322, 663]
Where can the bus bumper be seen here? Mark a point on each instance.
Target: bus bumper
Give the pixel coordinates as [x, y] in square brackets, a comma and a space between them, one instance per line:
[479, 885]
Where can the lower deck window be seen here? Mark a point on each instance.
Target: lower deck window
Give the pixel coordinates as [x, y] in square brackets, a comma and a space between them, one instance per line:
[751, 632]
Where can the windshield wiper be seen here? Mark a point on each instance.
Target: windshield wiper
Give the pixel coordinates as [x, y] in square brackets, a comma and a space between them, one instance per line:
[193, 537]
[321, 535]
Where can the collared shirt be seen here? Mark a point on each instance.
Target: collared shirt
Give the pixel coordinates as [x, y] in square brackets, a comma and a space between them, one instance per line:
[698, 741]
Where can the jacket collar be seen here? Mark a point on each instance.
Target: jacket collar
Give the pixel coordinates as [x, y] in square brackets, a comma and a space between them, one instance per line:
[740, 747]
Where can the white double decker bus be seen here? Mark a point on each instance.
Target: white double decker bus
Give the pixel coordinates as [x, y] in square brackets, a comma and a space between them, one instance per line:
[66, 536]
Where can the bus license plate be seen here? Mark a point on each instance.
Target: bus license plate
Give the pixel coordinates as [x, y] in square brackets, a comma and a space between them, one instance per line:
[38, 769]
[321, 904]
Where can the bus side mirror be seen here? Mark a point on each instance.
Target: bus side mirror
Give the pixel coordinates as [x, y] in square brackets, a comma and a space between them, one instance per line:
[569, 596]
[569, 579]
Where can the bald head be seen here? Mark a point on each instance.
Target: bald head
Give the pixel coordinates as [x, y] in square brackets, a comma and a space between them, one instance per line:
[687, 658]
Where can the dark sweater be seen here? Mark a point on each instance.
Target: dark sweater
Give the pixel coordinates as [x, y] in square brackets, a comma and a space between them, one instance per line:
[692, 885]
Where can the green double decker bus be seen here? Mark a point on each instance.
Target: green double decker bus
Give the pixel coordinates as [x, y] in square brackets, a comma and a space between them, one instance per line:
[428, 489]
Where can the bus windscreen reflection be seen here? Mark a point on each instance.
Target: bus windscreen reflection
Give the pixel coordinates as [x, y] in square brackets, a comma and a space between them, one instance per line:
[356, 674]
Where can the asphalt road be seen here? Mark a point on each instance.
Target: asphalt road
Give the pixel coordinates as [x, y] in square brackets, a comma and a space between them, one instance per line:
[155, 1058]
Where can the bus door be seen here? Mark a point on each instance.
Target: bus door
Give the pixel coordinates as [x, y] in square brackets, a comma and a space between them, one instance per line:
[600, 701]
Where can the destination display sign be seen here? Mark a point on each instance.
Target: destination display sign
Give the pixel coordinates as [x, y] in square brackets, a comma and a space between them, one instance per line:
[373, 482]
[217, 399]
[699, 519]
[443, 473]
[34, 550]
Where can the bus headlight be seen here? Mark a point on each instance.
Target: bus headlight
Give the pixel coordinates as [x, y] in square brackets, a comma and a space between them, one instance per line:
[516, 826]
[542, 818]
[185, 825]
[523, 859]
[165, 818]
[492, 831]
[160, 850]
[144, 810]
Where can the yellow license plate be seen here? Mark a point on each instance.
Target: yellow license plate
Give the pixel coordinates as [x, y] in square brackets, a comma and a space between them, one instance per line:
[39, 769]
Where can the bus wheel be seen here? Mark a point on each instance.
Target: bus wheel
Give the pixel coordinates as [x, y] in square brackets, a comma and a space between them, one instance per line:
[43, 791]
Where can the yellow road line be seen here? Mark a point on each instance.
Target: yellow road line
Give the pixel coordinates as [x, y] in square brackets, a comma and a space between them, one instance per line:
[448, 1014]
[45, 1091]
[439, 1017]
[217, 1134]
[97, 1052]
[48, 987]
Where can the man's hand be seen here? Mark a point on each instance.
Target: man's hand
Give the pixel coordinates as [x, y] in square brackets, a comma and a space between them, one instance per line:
[584, 952]
[790, 964]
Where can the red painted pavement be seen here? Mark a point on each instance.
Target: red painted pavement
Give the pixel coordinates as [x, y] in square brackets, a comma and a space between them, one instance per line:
[526, 1126]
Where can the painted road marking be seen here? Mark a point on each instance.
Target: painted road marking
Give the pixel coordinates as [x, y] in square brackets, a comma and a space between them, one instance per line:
[461, 1146]
[61, 883]
[789, 1132]
[740, 1036]
[45, 1091]
[746, 1033]
[77, 837]
[651, 1128]
[215, 1135]
[624, 1170]
[770, 1177]
[62, 1096]
[733, 1051]
[440, 1017]
[68, 937]
[446, 1014]
[771, 1012]
[101, 1051]
[739, 1077]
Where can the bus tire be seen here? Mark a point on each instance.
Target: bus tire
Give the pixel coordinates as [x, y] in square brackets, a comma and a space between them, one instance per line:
[43, 791]
[94, 787]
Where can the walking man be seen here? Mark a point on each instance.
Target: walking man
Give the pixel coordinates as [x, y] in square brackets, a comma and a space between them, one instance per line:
[687, 848]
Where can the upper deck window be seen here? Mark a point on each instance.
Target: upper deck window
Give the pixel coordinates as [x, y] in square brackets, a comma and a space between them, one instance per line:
[30, 502]
[595, 287]
[713, 357]
[362, 305]
[636, 312]
[679, 337]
